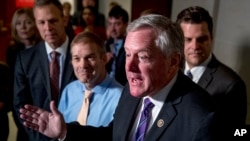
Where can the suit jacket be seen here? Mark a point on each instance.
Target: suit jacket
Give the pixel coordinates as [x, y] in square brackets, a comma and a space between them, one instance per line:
[228, 91]
[32, 82]
[120, 73]
[187, 115]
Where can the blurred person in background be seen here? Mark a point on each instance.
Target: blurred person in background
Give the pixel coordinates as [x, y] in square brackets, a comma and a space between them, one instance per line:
[85, 3]
[24, 35]
[69, 20]
[89, 23]
[117, 23]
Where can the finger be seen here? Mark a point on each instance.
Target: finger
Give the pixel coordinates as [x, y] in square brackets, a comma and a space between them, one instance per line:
[34, 109]
[53, 108]
[27, 118]
[31, 125]
[28, 113]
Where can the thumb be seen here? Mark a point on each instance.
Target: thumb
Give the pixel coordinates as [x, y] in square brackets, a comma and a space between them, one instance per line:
[53, 108]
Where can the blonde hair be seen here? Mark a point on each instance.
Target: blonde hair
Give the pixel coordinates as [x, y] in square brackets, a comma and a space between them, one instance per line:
[18, 13]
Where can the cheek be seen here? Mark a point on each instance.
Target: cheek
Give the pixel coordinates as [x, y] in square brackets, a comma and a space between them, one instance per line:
[149, 73]
[18, 28]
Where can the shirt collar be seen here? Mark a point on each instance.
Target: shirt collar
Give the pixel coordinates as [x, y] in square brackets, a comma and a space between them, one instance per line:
[100, 88]
[197, 71]
[61, 49]
[159, 98]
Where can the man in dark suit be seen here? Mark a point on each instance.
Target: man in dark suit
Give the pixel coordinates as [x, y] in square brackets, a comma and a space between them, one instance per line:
[117, 24]
[33, 84]
[226, 87]
[179, 109]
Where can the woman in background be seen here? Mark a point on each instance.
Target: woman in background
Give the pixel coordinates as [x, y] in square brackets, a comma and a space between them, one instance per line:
[24, 35]
[89, 23]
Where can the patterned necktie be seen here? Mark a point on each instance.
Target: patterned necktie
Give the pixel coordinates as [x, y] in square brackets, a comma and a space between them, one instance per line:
[83, 114]
[144, 120]
[189, 74]
[115, 53]
[54, 75]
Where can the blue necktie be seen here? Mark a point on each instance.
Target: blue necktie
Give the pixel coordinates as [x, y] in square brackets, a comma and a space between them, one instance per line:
[115, 53]
[144, 120]
[189, 74]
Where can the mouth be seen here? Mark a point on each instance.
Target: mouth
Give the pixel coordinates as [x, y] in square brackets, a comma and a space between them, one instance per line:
[136, 81]
[198, 53]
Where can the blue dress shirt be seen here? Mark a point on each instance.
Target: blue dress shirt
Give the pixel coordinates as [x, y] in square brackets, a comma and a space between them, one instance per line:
[103, 102]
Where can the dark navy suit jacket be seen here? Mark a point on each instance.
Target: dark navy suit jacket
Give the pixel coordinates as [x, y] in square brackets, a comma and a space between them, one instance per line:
[229, 92]
[120, 73]
[32, 83]
[188, 114]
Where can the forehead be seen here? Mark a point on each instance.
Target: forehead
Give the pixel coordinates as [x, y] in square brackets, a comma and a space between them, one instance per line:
[141, 39]
[113, 19]
[84, 47]
[23, 16]
[199, 26]
[191, 29]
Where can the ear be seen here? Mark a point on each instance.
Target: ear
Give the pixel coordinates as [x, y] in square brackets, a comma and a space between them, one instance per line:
[105, 58]
[175, 60]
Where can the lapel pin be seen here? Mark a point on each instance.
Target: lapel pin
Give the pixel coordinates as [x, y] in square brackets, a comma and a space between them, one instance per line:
[160, 122]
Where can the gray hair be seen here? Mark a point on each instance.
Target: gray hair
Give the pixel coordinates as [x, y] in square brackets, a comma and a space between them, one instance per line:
[169, 36]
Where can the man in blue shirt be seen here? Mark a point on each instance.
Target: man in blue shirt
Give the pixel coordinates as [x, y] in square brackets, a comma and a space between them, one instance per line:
[89, 61]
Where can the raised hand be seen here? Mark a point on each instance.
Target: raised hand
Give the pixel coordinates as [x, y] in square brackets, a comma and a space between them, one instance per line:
[50, 124]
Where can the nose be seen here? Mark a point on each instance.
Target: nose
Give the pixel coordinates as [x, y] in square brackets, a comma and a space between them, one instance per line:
[84, 63]
[111, 27]
[23, 25]
[195, 44]
[47, 26]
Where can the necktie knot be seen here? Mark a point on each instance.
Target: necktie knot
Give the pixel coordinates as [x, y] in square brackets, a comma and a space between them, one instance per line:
[87, 94]
[54, 55]
[148, 105]
[189, 74]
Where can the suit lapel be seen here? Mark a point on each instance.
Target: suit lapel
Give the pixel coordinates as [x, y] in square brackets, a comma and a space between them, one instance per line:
[207, 76]
[67, 71]
[162, 121]
[129, 122]
[44, 66]
[168, 111]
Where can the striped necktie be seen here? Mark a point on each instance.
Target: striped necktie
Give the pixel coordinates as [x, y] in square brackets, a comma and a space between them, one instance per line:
[144, 120]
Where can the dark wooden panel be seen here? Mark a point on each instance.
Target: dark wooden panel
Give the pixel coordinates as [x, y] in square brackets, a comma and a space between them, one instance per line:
[163, 6]
[7, 9]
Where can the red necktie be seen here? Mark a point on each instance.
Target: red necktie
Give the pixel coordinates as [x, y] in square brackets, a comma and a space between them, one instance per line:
[54, 76]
